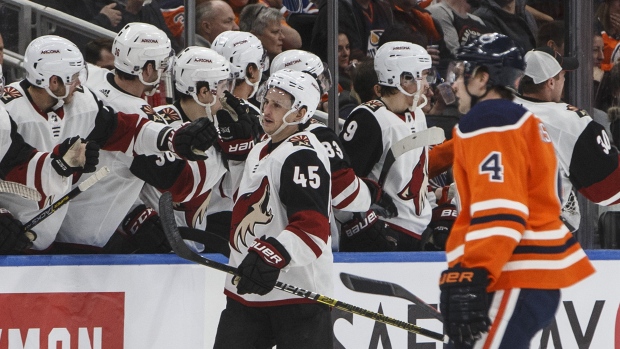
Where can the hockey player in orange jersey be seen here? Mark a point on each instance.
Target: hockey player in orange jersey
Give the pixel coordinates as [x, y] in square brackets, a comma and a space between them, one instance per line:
[508, 253]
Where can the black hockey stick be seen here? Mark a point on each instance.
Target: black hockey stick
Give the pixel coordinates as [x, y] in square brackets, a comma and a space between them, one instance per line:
[65, 199]
[180, 248]
[212, 242]
[365, 285]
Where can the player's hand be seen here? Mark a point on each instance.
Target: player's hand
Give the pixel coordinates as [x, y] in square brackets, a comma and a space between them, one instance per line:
[12, 237]
[261, 267]
[74, 155]
[464, 304]
[381, 202]
[143, 225]
[441, 224]
[192, 140]
[367, 233]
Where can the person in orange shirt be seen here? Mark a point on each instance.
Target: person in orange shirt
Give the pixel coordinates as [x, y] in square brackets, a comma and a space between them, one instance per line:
[508, 253]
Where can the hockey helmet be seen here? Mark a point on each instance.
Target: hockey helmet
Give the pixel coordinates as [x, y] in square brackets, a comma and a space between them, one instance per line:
[502, 57]
[306, 62]
[51, 55]
[138, 43]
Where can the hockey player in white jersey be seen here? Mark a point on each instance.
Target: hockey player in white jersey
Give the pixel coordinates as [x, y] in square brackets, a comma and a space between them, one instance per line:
[51, 105]
[349, 192]
[373, 127]
[588, 161]
[280, 223]
[49, 173]
[201, 78]
[142, 53]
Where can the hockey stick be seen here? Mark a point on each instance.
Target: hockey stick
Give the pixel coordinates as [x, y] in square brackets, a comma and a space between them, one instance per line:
[212, 242]
[104, 171]
[19, 189]
[430, 136]
[180, 248]
[365, 285]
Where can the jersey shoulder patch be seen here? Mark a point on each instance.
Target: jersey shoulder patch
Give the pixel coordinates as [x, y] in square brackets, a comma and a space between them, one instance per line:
[373, 105]
[148, 110]
[169, 115]
[300, 140]
[580, 112]
[10, 93]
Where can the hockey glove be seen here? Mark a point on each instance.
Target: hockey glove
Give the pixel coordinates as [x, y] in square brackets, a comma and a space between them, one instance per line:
[72, 155]
[441, 224]
[367, 233]
[381, 203]
[464, 304]
[191, 140]
[236, 139]
[12, 237]
[260, 268]
[143, 225]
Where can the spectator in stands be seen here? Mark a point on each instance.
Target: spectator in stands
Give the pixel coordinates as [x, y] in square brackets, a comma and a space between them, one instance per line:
[456, 22]
[419, 20]
[346, 66]
[265, 23]
[552, 34]
[212, 18]
[505, 17]
[362, 20]
[99, 53]
[608, 16]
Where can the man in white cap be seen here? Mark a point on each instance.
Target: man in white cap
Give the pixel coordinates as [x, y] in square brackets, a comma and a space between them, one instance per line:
[588, 160]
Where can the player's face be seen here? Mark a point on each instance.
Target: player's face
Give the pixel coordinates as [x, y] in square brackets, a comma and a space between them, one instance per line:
[275, 106]
[62, 89]
[462, 97]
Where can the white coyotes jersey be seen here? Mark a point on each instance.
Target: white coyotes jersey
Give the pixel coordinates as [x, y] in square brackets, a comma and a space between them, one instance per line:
[192, 208]
[406, 181]
[285, 194]
[37, 173]
[44, 131]
[113, 196]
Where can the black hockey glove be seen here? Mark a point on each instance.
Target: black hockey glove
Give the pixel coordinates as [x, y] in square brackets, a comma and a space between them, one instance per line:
[260, 268]
[367, 234]
[464, 304]
[191, 140]
[381, 203]
[12, 237]
[244, 112]
[69, 157]
[236, 138]
[143, 225]
[440, 226]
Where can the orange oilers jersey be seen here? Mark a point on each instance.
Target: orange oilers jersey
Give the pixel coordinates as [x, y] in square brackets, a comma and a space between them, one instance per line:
[507, 180]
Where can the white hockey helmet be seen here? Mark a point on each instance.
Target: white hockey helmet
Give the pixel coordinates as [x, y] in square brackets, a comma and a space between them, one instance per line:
[304, 61]
[196, 64]
[138, 43]
[241, 49]
[397, 58]
[51, 55]
[304, 89]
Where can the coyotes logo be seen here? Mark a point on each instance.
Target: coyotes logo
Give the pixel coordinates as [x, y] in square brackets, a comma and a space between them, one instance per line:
[195, 211]
[301, 140]
[415, 190]
[250, 209]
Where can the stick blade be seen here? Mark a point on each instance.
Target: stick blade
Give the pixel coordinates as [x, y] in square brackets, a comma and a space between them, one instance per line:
[364, 285]
[430, 136]
[166, 213]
